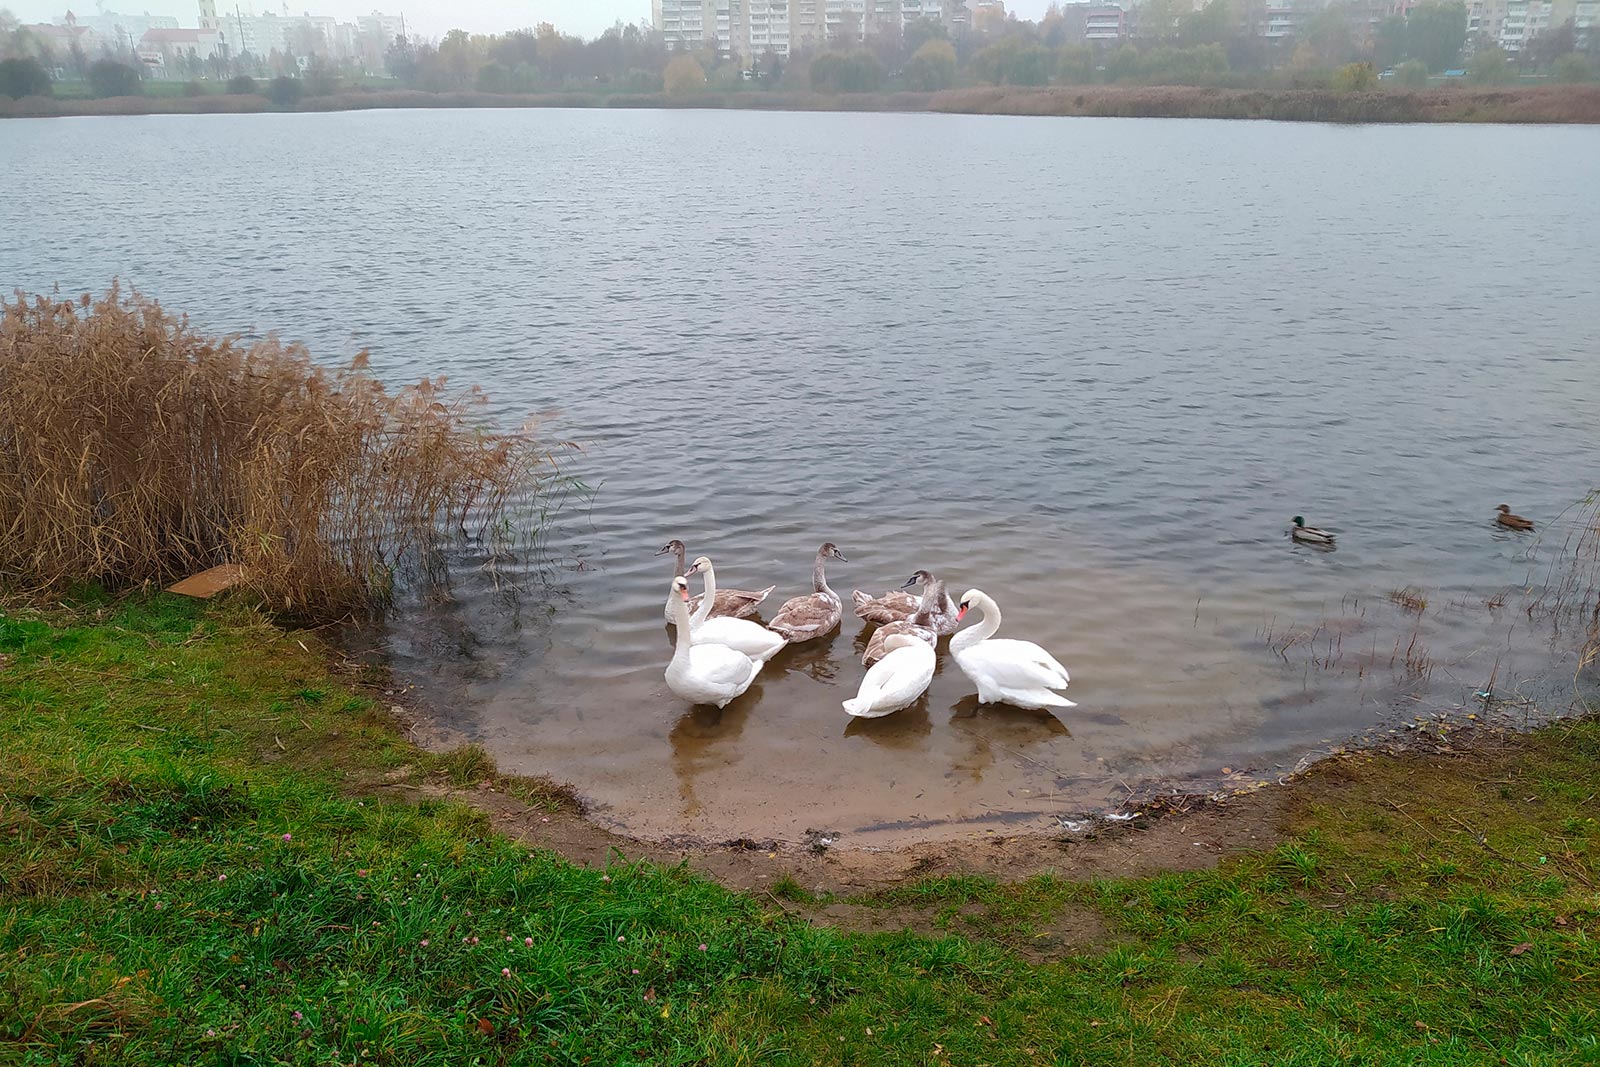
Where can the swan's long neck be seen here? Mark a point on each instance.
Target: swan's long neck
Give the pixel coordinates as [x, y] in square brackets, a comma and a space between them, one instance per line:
[819, 580]
[680, 569]
[680, 612]
[981, 632]
[708, 600]
[932, 603]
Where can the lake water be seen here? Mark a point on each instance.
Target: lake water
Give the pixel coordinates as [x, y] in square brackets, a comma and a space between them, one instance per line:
[1090, 366]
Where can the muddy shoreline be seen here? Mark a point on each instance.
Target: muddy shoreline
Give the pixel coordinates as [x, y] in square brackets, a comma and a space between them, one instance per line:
[1156, 829]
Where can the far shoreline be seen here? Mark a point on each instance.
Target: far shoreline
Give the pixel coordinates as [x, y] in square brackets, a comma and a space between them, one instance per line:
[1571, 104]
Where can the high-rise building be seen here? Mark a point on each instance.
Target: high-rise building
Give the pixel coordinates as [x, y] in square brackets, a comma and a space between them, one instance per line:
[750, 28]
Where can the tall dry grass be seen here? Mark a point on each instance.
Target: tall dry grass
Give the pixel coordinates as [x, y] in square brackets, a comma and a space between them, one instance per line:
[135, 449]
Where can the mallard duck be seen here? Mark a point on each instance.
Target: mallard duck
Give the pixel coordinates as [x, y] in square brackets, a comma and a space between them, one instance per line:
[804, 618]
[1005, 671]
[728, 604]
[1309, 534]
[1510, 521]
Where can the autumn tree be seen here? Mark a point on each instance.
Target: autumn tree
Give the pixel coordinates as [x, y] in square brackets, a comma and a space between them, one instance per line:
[683, 76]
[932, 67]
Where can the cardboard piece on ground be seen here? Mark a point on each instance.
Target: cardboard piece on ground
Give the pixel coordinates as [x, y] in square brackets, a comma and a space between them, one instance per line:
[208, 584]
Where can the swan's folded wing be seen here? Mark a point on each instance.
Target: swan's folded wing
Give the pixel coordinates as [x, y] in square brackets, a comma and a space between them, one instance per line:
[805, 617]
[1021, 665]
[720, 664]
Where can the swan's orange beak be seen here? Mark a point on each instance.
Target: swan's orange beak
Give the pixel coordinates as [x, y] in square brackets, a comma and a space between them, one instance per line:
[962, 613]
[685, 596]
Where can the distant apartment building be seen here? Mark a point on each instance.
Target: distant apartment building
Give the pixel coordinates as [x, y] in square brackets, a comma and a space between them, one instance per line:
[1513, 24]
[750, 28]
[63, 38]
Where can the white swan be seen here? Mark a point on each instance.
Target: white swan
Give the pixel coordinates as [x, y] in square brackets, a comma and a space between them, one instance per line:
[751, 638]
[734, 603]
[705, 674]
[896, 680]
[1005, 671]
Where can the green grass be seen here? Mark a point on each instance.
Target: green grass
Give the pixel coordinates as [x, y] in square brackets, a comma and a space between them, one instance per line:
[153, 910]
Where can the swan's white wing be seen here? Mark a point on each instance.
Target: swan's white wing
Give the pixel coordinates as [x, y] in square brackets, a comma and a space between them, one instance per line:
[1019, 664]
[719, 664]
[907, 667]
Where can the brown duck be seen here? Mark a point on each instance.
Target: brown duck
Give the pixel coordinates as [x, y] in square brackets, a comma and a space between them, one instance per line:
[1510, 521]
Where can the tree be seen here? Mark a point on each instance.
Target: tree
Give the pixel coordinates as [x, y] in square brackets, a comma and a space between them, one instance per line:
[1435, 33]
[493, 78]
[242, 85]
[193, 88]
[1012, 62]
[1413, 74]
[1355, 78]
[1328, 34]
[846, 72]
[1076, 65]
[321, 79]
[23, 77]
[1212, 24]
[1158, 19]
[107, 77]
[933, 67]
[285, 91]
[683, 76]
[919, 31]
[1572, 68]
[400, 60]
[1550, 46]
[1490, 67]
[1390, 43]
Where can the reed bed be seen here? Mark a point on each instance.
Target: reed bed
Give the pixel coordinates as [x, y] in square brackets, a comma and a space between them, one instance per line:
[135, 449]
[1511, 104]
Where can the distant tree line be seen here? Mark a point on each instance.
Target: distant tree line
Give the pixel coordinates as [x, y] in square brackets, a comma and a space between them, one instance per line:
[1168, 42]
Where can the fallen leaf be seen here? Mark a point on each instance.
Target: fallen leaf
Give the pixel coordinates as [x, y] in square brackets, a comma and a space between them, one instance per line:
[1420, 1025]
[1561, 920]
[650, 995]
[1520, 949]
[485, 1026]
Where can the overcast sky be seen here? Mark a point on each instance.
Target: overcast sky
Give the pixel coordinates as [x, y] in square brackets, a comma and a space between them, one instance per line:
[430, 17]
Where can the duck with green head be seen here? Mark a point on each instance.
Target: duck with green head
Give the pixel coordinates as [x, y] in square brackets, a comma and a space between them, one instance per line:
[1310, 535]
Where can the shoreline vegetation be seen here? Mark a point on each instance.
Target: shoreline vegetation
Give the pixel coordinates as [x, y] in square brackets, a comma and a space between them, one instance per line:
[1574, 104]
[318, 484]
[216, 844]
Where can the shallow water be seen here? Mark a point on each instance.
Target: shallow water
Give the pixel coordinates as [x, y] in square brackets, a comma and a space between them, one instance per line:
[1090, 366]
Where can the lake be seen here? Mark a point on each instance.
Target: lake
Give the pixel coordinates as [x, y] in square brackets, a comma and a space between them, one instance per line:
[1091, 366]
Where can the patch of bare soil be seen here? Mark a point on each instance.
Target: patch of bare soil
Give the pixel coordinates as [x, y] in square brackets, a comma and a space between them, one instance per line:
[1190, 836]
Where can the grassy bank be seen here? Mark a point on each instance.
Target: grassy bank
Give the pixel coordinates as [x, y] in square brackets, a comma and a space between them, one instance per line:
[1552, 104]
[197, 866]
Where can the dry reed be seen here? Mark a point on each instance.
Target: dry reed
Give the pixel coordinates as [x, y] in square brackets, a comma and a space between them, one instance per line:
[134, 449]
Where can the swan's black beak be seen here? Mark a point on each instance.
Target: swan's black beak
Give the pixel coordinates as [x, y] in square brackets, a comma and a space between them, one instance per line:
[839, 556]
[911, 581]
[663, 551]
